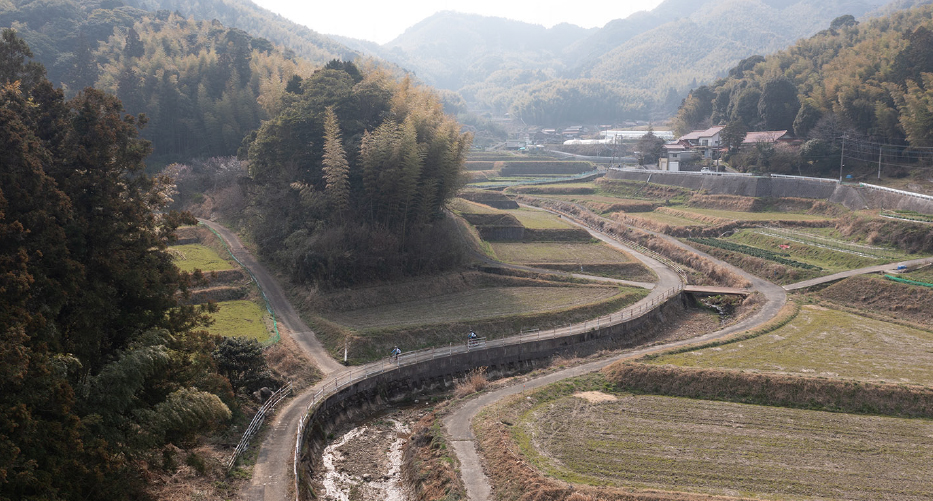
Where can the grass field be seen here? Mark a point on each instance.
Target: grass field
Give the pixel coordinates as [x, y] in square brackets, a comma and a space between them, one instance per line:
[830, 343]
[192, 257]
[240, 319]
[476, 304]
[558, 253]
[721, 448]
[539, 220]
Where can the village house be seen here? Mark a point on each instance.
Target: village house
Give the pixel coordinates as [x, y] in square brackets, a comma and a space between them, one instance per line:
[707, 144]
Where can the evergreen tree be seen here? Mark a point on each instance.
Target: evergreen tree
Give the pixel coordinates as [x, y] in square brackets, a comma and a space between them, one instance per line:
[334, 164]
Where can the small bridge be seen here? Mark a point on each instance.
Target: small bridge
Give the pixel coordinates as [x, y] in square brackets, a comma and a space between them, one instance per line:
[706, 290]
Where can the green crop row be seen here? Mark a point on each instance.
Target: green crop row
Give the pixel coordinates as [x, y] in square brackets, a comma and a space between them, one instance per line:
[754, 252]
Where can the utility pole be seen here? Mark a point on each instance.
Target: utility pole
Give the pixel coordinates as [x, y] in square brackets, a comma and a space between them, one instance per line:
[842, 157]
[880, 149]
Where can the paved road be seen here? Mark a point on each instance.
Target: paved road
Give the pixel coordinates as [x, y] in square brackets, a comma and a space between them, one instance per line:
[271, 473]
[458, 423]
[851, 273]
[273, 478]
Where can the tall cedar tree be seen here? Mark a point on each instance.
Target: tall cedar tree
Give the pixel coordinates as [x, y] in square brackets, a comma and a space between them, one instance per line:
[335, 165]
[95, 353]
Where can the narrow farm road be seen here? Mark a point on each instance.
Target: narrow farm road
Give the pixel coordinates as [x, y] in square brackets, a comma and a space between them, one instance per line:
[861, 271]
[272, 480]
[458, 423]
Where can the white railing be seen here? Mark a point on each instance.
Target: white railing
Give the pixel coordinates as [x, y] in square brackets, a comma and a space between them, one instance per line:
[345, 380]
[899, 192]
[254, 425]
[806, 178]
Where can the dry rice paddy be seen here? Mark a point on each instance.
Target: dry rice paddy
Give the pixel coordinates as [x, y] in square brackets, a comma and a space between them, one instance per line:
[829, 343]
[558, 253]
[728, 449]
[476, 304]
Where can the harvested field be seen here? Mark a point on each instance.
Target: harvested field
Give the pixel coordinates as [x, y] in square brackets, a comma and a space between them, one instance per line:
[721, 448]
[664, 219]
[559, 253]
[756, 216]
[828, 343]
[464, 206]
[240, 319]
[192, 257]
[540, 220]
[472, 305]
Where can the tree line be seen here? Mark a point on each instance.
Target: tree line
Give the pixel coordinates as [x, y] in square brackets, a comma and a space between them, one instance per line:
[101, 365]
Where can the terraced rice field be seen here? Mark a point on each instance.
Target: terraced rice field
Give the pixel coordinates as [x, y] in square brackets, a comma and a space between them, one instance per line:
[720, 448]
[558, 253]
[476, 304]
[539, 220]
[240, 319]
[660, 217]
[190, 257]
[468, 207]
[755, 216]
[830, 343]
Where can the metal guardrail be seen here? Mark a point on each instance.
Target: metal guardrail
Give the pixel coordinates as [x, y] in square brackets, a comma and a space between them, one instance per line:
[806, 178]
[899, 192]
[256, 423]
[405, 359]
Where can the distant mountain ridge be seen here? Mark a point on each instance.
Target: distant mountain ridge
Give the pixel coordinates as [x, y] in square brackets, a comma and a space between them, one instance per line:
[673, 48]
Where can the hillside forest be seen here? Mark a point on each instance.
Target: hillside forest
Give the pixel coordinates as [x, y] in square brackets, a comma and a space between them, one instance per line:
[102, 365]
[870, 82]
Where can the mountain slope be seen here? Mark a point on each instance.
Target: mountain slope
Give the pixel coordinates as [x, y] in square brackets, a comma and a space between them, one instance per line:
[249, 17]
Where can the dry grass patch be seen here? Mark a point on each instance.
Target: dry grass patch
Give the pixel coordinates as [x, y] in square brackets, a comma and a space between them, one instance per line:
[829, 343]
[475, 381]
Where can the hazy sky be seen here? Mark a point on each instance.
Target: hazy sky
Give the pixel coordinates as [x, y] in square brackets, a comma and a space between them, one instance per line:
[382, 20]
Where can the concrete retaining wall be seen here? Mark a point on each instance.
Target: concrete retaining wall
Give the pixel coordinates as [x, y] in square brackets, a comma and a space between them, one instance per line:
[368, 395]
[851, 196]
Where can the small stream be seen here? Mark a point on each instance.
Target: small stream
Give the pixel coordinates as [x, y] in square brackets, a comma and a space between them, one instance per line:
[365, 463]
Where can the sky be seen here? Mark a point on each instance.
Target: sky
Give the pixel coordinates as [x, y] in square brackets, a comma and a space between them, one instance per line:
[381, 21]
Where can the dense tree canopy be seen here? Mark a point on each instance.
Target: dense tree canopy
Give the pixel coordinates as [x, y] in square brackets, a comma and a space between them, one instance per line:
[349, 179]
[99, 364]
[872, 78]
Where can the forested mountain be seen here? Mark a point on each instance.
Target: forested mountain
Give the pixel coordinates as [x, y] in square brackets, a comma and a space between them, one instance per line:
[872, 79]
[258, 22]
[650, 56]
[202, 86]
